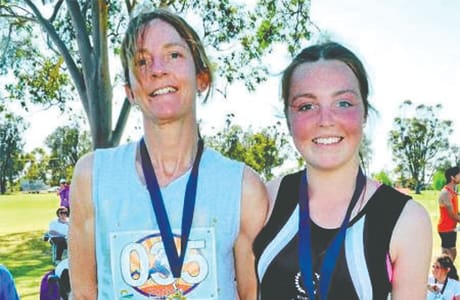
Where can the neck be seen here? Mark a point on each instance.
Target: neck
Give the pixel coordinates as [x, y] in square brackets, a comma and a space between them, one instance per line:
[171, 152]
[330, 193]
[441, 279]
[342, 180]
[451, 185]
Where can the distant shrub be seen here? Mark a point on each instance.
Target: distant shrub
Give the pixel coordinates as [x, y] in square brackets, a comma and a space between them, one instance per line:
[438, 180]
[383, 177]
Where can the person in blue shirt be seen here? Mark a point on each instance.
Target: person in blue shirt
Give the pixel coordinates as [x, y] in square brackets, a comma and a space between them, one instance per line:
[7, 287]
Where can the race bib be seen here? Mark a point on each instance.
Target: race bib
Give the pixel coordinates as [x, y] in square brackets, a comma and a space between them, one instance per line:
[140, 267]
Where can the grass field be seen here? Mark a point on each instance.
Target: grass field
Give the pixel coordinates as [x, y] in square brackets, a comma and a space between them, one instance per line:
[25, 217]
[23, 220]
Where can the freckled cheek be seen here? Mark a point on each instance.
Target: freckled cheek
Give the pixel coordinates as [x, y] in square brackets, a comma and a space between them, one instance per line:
[354, 122]
[300, 128]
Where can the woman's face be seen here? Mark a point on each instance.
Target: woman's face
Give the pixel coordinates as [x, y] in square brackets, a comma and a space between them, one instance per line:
[439, 273]
[326, 113]
[163, 79]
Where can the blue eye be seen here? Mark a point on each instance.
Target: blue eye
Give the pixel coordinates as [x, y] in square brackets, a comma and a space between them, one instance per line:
[305, 107]
[141, 62]
[344, 104]
[175, 55]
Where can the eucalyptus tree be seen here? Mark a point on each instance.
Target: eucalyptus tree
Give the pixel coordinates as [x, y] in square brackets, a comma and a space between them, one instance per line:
[11, 149]
[61, 49]
[263, 150]
[419, 141]
[66, 144]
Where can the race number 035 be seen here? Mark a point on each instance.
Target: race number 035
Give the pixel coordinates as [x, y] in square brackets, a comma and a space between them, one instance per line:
[157, 251]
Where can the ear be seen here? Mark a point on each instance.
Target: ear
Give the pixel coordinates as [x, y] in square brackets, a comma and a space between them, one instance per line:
[130, 94]
[203, 79]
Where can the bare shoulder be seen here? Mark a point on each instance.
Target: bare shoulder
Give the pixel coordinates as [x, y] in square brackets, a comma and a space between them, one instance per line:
[252, 183]
[415, 211]
[84, 166]
[272, 190]
[444, 198]
[81, 180]
[413, 226]
[254, 195]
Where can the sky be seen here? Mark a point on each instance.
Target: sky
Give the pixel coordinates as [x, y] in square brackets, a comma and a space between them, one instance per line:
[411, 50]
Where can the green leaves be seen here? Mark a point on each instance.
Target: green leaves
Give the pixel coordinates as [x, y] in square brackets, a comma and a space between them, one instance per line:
[264, 150]
[60, 50]
[11, 148]
[46, 85]
[419, 141]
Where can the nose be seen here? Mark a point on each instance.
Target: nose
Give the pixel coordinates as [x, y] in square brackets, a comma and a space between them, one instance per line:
[326, 116]
[158, 67]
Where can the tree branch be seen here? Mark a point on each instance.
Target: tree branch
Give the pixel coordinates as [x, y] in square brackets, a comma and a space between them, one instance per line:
[121, 122]
[55, 11]
[83, 42]
[64, 51]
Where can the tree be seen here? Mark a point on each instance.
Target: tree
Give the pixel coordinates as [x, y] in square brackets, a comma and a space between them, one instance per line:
[11, 149]
[383, 177]
[67, 145]
[439, 180]
[36, 165]
[263, 150]
[418, 141]
[82, 36]
[365, 153]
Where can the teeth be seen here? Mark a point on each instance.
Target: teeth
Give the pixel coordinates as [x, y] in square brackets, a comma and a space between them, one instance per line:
[163, 91]
[327, 141]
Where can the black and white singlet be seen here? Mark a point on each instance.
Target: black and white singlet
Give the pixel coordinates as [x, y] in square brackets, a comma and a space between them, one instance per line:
[363, 270]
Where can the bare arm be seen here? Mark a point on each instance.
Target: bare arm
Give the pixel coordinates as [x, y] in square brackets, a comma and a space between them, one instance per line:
[410, 250]
[272, 190]
[444, 200]
[81, 233]
[254, 207]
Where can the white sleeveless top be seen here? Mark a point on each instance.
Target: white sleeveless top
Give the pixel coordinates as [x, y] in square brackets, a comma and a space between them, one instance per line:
[131, 262]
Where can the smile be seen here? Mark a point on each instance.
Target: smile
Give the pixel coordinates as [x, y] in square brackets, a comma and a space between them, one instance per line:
[327, 140]
[163, 91]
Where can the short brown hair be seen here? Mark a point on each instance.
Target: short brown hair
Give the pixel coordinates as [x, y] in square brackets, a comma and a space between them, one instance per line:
[136, 27]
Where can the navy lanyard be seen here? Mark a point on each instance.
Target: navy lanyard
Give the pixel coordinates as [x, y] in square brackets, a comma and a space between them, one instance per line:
[443, 286]
[174, 259]
[333, 250]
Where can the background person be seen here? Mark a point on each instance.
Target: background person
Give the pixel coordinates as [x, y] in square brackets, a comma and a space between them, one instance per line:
[7, 287]
[58, 231]
[448, 212]
[334, 233]
[64, 193]
[443, 284]
[132, 199]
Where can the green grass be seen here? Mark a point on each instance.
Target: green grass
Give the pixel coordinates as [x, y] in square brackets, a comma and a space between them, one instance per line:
[24, 218]
[429, 199]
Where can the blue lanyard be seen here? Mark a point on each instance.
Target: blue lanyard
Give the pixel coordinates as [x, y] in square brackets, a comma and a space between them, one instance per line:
[333, 250]
[175, 260]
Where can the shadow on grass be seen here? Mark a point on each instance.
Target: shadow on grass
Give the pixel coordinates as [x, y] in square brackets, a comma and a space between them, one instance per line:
[28, 258]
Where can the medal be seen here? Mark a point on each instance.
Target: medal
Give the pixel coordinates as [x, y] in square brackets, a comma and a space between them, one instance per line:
[177, 296]
[175, 256]
[333, 251]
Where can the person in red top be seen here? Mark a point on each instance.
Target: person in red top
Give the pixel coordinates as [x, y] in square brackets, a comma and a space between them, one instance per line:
[448, 208]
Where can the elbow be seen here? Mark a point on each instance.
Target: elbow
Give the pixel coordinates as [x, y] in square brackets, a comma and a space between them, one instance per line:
[81, 294]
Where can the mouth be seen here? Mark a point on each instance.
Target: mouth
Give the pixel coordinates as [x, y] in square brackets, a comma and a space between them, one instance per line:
[327, 140]
[163, 91]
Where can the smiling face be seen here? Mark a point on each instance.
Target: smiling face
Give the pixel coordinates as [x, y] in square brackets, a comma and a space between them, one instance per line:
[326, 113]
[439, 273]
[163, 79]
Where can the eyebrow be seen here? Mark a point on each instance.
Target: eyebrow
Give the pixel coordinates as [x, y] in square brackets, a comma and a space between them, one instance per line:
[166, 46]
[335, 94]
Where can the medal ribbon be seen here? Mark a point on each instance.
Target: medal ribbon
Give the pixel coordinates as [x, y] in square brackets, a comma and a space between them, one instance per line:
[333, 250]
[174, 259]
